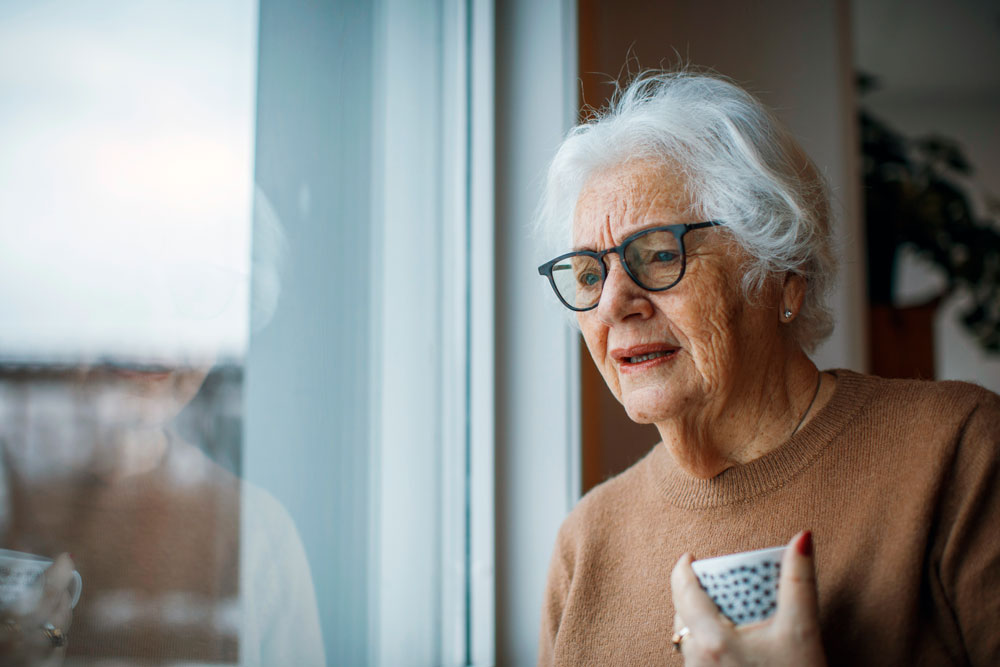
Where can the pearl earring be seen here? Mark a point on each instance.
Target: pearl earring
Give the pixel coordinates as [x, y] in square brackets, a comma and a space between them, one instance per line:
[788, 313]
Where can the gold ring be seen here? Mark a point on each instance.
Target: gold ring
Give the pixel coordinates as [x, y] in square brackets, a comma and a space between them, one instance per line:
[57, 638]
[679, 637]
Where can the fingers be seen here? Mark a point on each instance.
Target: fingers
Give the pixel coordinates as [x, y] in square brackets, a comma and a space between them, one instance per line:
[60, 573]
[791, 637]
[54, 606]
[798, 607]
[36, 634]
[692, 604]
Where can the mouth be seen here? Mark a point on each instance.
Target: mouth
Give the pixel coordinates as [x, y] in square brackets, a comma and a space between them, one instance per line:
[642, 357]
[647, 357]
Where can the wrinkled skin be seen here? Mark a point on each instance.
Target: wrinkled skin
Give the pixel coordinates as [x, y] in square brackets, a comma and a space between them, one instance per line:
[738, 382]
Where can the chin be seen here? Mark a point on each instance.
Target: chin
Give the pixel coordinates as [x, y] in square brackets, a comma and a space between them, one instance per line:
[649, 406]
[643, 416]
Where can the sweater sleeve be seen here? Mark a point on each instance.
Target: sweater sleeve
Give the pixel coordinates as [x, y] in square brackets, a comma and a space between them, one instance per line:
[556, 591]
[969, 538]
[280, 622]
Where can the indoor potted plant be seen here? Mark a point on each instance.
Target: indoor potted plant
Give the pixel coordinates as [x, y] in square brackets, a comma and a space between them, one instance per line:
[916, 194]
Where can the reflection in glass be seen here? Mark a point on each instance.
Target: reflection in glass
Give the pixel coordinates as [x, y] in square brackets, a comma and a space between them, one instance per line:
[124, 271]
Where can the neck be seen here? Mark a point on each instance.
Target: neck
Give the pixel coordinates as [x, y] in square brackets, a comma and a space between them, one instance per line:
[135, 451]
[748, 420]
[107, 455]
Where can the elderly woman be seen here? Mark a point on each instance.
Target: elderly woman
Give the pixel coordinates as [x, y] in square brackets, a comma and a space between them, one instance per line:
[702, 252]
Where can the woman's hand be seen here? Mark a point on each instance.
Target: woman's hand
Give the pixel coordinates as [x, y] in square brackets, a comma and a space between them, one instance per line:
[790, 637]
[38, 636]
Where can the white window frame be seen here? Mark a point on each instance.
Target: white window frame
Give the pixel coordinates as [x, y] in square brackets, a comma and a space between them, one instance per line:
[470, 434]
[538, 439]
[433, 373]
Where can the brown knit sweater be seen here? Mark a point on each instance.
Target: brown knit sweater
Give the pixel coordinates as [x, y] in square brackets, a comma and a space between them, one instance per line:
[159, 557]
[898, 481]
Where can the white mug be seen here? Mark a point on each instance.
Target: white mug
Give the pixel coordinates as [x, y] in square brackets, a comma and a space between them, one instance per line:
[22, 580]
[743, 585]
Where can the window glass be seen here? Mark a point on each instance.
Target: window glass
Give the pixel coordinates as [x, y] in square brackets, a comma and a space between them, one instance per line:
[247, 335]
[125, 228]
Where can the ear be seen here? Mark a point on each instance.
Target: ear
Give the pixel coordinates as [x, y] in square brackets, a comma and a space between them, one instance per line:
[793, 294]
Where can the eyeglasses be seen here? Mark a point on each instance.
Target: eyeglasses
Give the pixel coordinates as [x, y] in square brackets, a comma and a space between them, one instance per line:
[653, 258]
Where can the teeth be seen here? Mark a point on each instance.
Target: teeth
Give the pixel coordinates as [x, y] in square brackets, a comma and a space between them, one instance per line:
[646, 357]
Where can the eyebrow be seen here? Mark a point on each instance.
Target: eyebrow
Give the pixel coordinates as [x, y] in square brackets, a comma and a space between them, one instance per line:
[577, 248]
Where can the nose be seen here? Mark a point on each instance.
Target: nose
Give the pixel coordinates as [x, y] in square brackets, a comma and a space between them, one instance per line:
[621, 298]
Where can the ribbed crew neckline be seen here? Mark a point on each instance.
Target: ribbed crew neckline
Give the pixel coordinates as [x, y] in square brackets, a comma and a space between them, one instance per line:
[775, 469]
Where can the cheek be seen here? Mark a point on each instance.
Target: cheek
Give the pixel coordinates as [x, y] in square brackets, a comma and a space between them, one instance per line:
[712, 349]
[710, 328]
[596, 338]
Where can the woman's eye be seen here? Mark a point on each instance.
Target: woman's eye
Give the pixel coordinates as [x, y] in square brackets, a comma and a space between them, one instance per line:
[589, 279]
[663, 256]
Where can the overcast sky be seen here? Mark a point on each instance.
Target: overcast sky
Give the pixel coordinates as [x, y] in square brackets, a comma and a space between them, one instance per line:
[126, 145]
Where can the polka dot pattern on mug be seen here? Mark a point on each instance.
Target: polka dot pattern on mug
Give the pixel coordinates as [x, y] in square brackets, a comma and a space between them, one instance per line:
[746, 593]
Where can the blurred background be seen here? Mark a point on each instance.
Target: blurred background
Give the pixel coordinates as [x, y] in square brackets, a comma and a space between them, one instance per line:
[293, 237]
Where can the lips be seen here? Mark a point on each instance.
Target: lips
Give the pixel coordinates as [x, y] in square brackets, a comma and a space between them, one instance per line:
[643, 356]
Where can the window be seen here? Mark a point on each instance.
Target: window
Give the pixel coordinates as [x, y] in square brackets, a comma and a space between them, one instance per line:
[273, 354]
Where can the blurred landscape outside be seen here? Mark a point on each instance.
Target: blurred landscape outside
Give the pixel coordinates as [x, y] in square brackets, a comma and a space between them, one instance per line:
[127, 168]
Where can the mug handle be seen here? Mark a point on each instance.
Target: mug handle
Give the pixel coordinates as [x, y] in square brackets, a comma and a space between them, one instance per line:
[75, 589]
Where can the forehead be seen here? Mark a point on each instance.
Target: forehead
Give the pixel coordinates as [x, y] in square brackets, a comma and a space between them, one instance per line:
[618, 201]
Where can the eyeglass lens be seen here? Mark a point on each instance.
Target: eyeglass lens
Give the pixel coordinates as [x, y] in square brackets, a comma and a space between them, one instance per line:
[654, 261]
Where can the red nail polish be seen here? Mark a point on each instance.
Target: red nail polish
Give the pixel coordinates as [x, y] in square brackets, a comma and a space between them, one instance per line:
[805, 544]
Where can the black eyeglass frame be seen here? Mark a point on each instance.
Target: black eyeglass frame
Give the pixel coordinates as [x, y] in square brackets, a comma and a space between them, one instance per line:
[677, 230]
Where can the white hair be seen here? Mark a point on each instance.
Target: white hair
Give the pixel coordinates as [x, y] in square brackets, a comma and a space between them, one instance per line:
[739, 164]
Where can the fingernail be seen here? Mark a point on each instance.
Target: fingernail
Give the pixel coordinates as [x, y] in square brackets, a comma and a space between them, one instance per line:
[805, 544]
